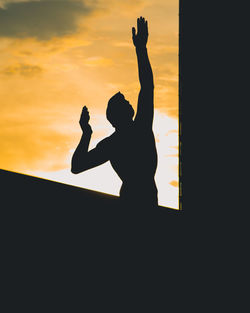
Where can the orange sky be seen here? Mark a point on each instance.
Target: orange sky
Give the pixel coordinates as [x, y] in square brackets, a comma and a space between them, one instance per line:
[57, 56]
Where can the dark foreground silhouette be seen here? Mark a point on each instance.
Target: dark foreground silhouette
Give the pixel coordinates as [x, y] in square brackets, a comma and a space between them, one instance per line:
[60, 240]
[131, 148]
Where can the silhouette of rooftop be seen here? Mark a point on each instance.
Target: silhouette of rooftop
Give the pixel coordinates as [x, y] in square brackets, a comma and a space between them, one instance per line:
[54, 194]
[55, 234]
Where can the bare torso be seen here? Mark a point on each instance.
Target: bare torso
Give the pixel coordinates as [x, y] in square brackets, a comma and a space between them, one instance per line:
[133, 156]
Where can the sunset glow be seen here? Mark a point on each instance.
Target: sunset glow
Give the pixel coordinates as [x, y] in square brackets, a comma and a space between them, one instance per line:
[52, 65]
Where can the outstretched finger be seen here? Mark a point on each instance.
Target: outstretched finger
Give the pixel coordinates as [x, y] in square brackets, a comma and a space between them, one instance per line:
[133, 32]
[146, 27]
[85, 111]
[138, 25]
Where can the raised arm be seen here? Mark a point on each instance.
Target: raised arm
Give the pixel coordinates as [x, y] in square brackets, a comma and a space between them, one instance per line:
[83, 159]
[145, 106]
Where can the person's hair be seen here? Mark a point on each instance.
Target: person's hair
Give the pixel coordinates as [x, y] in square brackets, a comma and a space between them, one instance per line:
[115, 111]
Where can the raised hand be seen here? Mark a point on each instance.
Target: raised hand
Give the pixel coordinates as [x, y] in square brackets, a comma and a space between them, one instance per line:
[84, 121]
[140, 39]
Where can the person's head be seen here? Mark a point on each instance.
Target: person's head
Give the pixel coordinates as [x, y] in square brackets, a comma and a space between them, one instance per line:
[119, 111]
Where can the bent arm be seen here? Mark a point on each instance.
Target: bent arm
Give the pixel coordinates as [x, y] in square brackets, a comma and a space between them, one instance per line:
[80, 155]
[83, 159]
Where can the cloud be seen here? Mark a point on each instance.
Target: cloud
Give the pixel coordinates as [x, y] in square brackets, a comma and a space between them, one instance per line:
[122, 44]
[128, 7]
[27, 70]
[42, 19]
[4, 3]
[97, 61]
[164, 49]
[28, 146]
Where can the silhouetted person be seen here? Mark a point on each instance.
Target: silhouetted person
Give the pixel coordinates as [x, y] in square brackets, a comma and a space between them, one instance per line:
[131, 148]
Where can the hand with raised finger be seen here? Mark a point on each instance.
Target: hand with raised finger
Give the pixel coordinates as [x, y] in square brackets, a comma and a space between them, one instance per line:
[84, 121]
[141, 37]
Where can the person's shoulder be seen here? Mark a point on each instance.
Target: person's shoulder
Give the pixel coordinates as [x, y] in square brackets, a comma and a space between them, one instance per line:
[106, 142]
[140, 127]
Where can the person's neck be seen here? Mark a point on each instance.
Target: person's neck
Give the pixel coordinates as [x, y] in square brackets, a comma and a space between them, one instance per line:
[124, 127]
